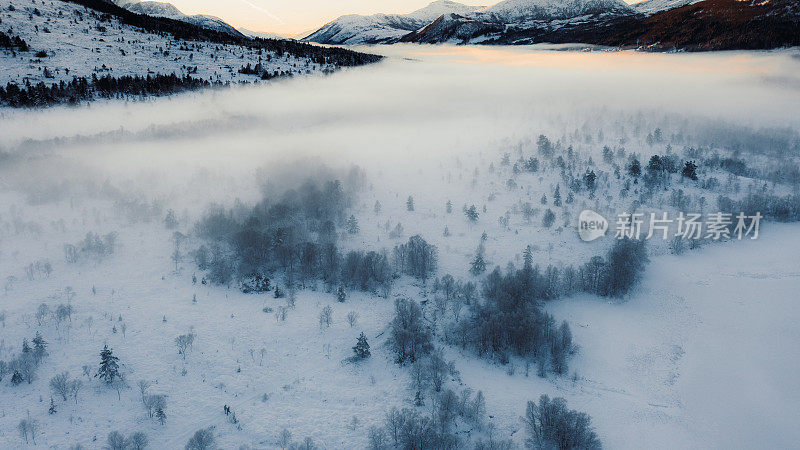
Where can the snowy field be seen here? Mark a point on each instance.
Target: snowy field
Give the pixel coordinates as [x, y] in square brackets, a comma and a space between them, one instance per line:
[702, 353]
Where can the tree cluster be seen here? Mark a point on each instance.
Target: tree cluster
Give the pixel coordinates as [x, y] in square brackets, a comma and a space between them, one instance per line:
[551, 425]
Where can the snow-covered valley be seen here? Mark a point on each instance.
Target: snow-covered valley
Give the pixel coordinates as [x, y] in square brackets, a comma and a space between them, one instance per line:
[699, 354]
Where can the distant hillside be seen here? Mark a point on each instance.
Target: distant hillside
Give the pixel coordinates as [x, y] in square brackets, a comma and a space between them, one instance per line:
[704, 25]
[383, 28]
[62, 52]
[168, 10]
[187, 31]
[649, 7]
[714, 25]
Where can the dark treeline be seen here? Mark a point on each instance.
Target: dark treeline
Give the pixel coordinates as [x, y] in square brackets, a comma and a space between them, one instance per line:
[551, 424]
[296, 236]
[186, 31]
[510, 319]
[13, 42]
[81, 88]
[779, 208]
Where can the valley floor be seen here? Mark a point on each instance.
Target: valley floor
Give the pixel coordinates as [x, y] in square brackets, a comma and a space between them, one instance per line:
[702, 354]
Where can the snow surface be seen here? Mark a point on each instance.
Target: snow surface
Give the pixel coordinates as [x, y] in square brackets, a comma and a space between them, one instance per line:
[701, 355]
[653, 6]
[516, 11]
[76, 46]
[162, 9]
[355, 29]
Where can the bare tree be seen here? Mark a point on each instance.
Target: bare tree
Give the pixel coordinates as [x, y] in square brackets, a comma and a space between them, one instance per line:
[143, 385]
[184, 342]
[115, 441]
[60, 385]
[75, 387]
[203, 439]
[326, 317]
[352, 318]
[137, 441]
[285, 439]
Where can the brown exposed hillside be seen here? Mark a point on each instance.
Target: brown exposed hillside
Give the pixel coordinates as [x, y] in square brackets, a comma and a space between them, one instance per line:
[707, 25]
[714, 25]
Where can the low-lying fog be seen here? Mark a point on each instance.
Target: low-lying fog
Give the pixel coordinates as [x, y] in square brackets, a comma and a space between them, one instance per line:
[701, 352]
[420, 106]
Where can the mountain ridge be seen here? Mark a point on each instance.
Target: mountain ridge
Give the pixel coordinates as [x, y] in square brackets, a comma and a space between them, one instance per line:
[698, 26]
[353, 29]
[170, 11]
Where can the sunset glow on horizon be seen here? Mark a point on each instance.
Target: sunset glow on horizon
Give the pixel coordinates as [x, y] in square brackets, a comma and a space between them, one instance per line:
[299, 17]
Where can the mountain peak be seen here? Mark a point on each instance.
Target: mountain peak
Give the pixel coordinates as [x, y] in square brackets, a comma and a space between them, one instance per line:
[522, 10]
[384, 28]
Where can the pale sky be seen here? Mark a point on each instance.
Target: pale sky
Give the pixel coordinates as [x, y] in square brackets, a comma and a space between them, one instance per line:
[295, 16]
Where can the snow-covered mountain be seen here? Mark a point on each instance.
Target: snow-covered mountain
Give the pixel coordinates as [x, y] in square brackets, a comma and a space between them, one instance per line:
[384, 28]
[262, 34]
[447, 21]
[168, 10]
[649, 7]
[514, 21]
[518, 11]
[67, 43]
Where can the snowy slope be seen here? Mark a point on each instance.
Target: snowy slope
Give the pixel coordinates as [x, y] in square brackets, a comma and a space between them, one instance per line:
[446, 21]
[162, 9]
[78, 44]
[653, 6]
[517, 11]
[383, 28]
[260, 34]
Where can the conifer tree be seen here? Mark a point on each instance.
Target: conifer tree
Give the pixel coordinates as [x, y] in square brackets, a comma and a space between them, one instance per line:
[109, 368]
[161, 416]
[472, 213]
[478, 265]
[39, 347]
[352, 225]
[361, 349]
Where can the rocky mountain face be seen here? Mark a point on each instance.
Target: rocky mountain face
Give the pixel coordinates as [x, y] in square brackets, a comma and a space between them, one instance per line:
[383, 28]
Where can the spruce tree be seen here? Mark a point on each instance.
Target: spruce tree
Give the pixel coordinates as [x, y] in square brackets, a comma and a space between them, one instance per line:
[478, 265]
[635, 168]
[39, 347]
[161, 416]
[361, 349]
[472, 213]
[352, 225]
[109, 368]
[52, 409]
